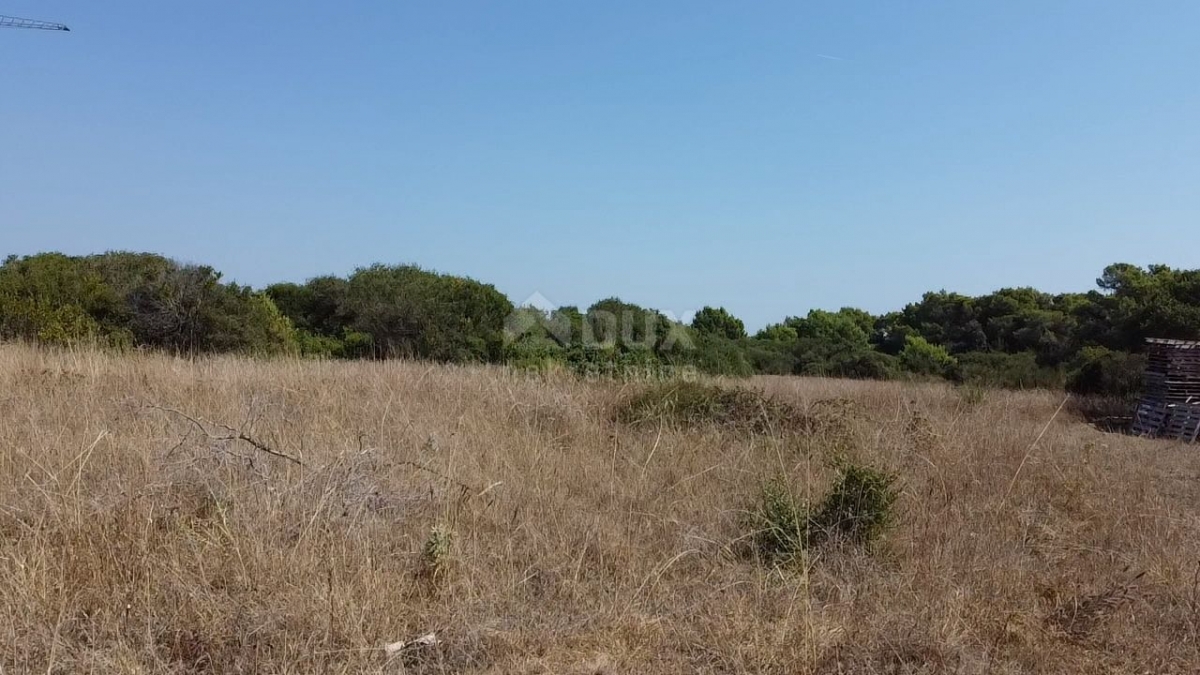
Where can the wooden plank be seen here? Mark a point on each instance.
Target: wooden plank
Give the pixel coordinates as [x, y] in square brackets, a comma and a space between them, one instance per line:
[1170, 404]
[1183, 424]
[1150, 417]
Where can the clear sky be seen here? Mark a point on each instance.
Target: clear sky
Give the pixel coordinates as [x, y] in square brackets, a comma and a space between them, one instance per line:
[771, 157]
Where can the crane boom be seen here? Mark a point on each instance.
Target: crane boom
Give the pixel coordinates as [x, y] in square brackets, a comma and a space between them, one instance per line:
[14, 22]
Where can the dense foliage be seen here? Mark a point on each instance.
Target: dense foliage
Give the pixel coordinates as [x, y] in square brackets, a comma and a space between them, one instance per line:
[128, 299]
[1015, 337]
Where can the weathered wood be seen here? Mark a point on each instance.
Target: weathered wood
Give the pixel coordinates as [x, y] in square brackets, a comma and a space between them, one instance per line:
[1170, 405]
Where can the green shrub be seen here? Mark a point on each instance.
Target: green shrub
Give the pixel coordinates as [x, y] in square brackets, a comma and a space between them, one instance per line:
[533, 354]
[532, 350]
[819, 360]
[410, 312]
[715, 355]
[867, 365]
[718, 322]
[55, 298]
[635, 362]
[435, 553]
[781, 333]
[1098, 371]
[836, 345]
[266, 329]
[357, 345]
[589, 361]
[64, 325]
[1009, 371]
[779, 523]
[771, 357]
[319, 346]
[922, 357]
[858, 509]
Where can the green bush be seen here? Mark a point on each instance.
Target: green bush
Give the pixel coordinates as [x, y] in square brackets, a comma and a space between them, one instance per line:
[27, 319]
[615, 323]
[1098, 371]
[867, 365]
[716, 355]
[613, 361]
[771, 357]
[134, 299]
[858, 364]
[436, 553]
[717, 322]
[357, 345]
[409, 312]
[319, 346]
[921, 357]
[55, 298]
[317, 306]
[779, 523]
[780, 333]
[1009, 371]
[858, 509]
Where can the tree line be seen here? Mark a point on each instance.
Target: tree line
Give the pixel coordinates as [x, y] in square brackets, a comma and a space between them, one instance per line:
[1013, 337]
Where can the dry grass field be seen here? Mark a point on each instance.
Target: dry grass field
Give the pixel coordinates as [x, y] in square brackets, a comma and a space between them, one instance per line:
[517, 519]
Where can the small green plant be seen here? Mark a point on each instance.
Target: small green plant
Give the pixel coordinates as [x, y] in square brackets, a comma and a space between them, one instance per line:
[779, 523]
[858, 509]
[435, 553]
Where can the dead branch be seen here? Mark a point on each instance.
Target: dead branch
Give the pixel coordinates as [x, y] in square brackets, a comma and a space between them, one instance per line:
[234, 434]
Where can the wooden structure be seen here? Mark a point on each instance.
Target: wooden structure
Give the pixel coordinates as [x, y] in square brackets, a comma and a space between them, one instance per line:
[1170, 405]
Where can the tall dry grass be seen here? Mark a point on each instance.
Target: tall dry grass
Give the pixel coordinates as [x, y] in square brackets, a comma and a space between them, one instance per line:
[138, 534]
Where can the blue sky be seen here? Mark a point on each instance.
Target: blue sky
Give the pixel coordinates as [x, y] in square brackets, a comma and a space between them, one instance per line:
[674, 154]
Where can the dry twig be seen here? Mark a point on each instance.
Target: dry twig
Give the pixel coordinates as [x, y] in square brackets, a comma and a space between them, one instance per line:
[234, 434]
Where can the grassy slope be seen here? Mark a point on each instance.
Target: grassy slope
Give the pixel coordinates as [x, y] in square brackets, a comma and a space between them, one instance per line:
[132, 542]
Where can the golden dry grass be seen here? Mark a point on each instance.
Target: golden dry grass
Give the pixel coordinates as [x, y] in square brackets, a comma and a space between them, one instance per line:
[132, 540]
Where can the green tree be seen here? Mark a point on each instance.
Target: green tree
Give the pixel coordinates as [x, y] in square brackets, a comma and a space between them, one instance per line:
[864, 319]
[625, 325]
[135, 298]
[317, 306]
[55, 298]
[770, 357]
[778, 332]
[947, 319]
[891, 333]
[716, 355]
[1158, 301]
[924, 358]
[833, 344]
[412, 313]
[1105, 372]
[716, 321]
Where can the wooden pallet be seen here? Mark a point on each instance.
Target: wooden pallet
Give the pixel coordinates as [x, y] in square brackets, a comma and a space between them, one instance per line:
[1184, 423]
[1150, 417]
[1170, 405]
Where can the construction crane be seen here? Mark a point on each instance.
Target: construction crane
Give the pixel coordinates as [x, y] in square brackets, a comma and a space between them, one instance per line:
[14, 22]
